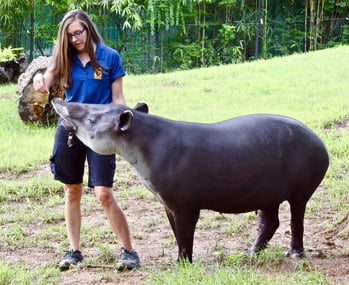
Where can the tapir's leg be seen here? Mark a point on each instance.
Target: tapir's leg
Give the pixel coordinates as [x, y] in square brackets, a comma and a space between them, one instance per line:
[268, 223]
[297, 228]
[185, 222]
[170, 217]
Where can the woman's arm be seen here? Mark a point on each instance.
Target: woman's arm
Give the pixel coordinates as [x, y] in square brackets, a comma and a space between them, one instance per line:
[117, 92]
[43, 82]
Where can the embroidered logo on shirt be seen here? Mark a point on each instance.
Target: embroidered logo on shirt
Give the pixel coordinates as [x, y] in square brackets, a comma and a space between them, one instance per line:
[98, 73]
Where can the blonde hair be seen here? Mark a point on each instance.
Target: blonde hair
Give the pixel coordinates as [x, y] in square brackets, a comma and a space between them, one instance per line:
[62, 55]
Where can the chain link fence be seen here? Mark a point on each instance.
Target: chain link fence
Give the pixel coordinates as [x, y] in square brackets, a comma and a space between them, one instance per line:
[173, 49]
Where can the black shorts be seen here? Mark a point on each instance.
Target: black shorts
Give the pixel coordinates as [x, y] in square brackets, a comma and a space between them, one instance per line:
[68, 163]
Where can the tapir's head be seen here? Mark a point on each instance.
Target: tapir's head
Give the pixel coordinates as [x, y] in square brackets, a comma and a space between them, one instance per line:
[97, 126]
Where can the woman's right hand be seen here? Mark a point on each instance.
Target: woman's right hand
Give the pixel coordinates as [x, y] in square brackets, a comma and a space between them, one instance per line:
[39, 83]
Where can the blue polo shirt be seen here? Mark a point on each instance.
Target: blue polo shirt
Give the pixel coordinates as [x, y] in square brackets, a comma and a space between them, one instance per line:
[94, 86]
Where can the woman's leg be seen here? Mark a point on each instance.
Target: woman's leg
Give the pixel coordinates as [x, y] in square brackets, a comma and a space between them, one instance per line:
[72, 212]
[114, 214]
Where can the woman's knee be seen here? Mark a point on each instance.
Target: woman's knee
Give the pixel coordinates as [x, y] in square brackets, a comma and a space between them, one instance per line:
[104, 195]
[73, 192]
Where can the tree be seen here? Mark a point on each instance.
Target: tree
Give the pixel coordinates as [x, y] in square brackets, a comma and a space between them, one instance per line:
[12, 13]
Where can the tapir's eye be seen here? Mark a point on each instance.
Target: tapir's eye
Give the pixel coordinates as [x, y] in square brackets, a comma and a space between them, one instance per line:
[92, 122]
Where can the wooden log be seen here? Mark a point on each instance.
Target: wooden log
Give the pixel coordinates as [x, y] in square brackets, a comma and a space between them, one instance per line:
[33, 106]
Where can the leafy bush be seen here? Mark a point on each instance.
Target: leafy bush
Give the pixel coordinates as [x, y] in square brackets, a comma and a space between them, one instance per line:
[345, 38]
[187, 55]
[8, 53]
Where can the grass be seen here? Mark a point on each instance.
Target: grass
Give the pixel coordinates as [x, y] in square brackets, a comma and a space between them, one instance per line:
[312, 88]
[19, 275]
[239, 269]
[22, 146]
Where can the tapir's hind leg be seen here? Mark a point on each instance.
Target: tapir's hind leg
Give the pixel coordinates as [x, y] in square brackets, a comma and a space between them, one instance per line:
[183, 225]
[268, 223]
[297, 228]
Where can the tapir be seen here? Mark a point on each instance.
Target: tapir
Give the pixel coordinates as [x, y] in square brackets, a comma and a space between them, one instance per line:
[248, 163]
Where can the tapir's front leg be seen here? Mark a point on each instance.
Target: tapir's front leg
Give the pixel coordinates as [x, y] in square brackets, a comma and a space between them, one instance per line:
[170, 216]
[184, 227]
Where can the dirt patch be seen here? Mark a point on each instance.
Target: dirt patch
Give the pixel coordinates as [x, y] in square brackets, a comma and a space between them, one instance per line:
[217, 236]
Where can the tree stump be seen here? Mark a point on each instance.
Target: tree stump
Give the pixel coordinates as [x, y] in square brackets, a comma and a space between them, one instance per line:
[33, 106]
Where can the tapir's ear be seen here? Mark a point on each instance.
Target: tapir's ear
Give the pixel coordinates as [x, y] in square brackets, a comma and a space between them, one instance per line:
[142, 107]
[68, 125]
[126, 119]
[60, 107]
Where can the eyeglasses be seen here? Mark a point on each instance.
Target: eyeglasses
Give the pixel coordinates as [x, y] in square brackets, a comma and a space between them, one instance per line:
[76, 34]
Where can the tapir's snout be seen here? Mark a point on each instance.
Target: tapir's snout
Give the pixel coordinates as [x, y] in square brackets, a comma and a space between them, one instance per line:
[97, 125]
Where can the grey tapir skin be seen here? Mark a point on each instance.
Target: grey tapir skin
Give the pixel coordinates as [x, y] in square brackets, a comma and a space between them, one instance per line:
[244, 164]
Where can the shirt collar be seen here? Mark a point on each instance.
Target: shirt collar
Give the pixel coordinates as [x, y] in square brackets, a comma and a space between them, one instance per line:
[99, 51]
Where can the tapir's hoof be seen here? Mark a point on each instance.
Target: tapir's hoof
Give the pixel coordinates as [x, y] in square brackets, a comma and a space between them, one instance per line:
[254, 251]
[296, 253]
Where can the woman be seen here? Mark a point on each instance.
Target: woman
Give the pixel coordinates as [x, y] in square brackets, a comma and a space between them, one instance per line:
[90, 72]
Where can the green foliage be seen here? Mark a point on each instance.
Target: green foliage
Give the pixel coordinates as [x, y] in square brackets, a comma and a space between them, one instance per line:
[148, 33]
[163, 14]
[9, 53]
[13, 11]
[345, 38]
[228, 51]
[287, 37]
[129, 10]
[187, 55]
